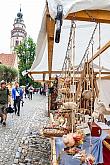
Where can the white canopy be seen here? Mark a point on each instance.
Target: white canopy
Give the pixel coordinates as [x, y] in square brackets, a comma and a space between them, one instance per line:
[71, 6]
[83, 33]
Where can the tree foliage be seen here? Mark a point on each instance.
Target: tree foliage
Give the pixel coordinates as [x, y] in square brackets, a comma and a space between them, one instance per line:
[26, 54]
[7, 73]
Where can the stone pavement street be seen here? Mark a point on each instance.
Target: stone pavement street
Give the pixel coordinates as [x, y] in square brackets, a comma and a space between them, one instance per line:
[33, 117]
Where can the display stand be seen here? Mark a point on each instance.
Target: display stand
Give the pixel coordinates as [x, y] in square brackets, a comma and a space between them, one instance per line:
[53, 152]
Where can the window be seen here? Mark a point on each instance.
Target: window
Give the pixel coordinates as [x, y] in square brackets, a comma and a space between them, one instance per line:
[17, 42]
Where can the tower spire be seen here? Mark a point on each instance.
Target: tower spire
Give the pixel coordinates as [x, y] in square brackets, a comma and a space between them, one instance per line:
[20, 7]
[18, 33]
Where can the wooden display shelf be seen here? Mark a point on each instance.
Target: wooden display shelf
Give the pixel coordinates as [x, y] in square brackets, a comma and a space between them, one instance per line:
[53, 152]
[53, 148]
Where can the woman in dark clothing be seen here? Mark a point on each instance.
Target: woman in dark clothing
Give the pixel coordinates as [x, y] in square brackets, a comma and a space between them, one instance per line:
[26, 91]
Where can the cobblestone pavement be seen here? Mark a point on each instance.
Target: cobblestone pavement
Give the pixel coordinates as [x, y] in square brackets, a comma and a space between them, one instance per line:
[32, 118]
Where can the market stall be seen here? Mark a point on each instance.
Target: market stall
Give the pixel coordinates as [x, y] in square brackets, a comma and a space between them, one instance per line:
[79, 113]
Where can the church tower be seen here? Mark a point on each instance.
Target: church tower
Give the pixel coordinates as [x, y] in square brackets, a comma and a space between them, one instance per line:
[18, 34]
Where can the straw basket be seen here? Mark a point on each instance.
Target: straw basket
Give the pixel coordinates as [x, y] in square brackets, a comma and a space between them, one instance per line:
[54, 132]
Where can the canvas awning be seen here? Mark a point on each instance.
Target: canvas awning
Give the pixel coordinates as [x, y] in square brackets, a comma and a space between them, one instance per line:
[49, 55]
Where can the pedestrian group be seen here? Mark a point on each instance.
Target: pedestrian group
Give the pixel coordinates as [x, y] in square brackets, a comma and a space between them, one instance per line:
[10, 101]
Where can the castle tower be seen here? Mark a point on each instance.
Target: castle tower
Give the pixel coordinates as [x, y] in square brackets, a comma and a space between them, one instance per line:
[18, 33]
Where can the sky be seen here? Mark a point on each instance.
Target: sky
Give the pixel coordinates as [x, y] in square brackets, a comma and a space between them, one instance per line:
[32, 13]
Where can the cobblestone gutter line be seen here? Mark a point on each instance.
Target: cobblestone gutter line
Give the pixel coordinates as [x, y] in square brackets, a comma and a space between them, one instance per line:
[33, 117]
[34, 149]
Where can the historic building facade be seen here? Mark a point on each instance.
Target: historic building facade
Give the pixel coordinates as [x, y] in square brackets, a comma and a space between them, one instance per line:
[18, 34]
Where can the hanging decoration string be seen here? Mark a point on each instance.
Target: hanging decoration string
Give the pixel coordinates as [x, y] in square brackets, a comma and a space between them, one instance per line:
[68, 48]
[92, 93]
[99, 63]
[70, 59]
[92, 79]
[73, 70]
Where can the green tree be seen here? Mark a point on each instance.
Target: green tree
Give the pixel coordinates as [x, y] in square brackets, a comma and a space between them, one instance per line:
[7, 73]
[26, 54]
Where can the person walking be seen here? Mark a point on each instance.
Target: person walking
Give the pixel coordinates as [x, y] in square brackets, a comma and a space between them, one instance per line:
[26, 91]
[17, 95]
[31, 89]
[4, 93]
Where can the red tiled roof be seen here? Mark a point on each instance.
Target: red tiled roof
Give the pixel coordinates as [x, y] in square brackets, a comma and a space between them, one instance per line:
[8, 59]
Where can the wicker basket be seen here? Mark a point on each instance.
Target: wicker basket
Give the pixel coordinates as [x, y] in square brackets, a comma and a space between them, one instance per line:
[61, 111]
[54, 132]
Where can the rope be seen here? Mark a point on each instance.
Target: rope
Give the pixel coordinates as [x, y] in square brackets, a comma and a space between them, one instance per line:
[87, 72]
[73, 54]
[73, 64]
[70, 62]
[90, 16]
[92, 83]
[99, 63]
[68, 47]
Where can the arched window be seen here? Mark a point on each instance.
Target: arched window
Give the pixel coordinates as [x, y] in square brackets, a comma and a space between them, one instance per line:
[17, 43]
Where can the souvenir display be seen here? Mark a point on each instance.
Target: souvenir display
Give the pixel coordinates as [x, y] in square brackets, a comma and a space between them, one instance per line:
[73, 139]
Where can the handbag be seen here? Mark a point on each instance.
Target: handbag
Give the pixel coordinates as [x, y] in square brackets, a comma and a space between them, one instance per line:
[9, 109]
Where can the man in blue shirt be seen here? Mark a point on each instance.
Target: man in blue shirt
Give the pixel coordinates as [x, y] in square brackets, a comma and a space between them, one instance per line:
[17, 94]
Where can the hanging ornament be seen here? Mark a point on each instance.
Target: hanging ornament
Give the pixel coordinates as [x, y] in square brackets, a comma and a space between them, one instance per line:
[87, 94]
